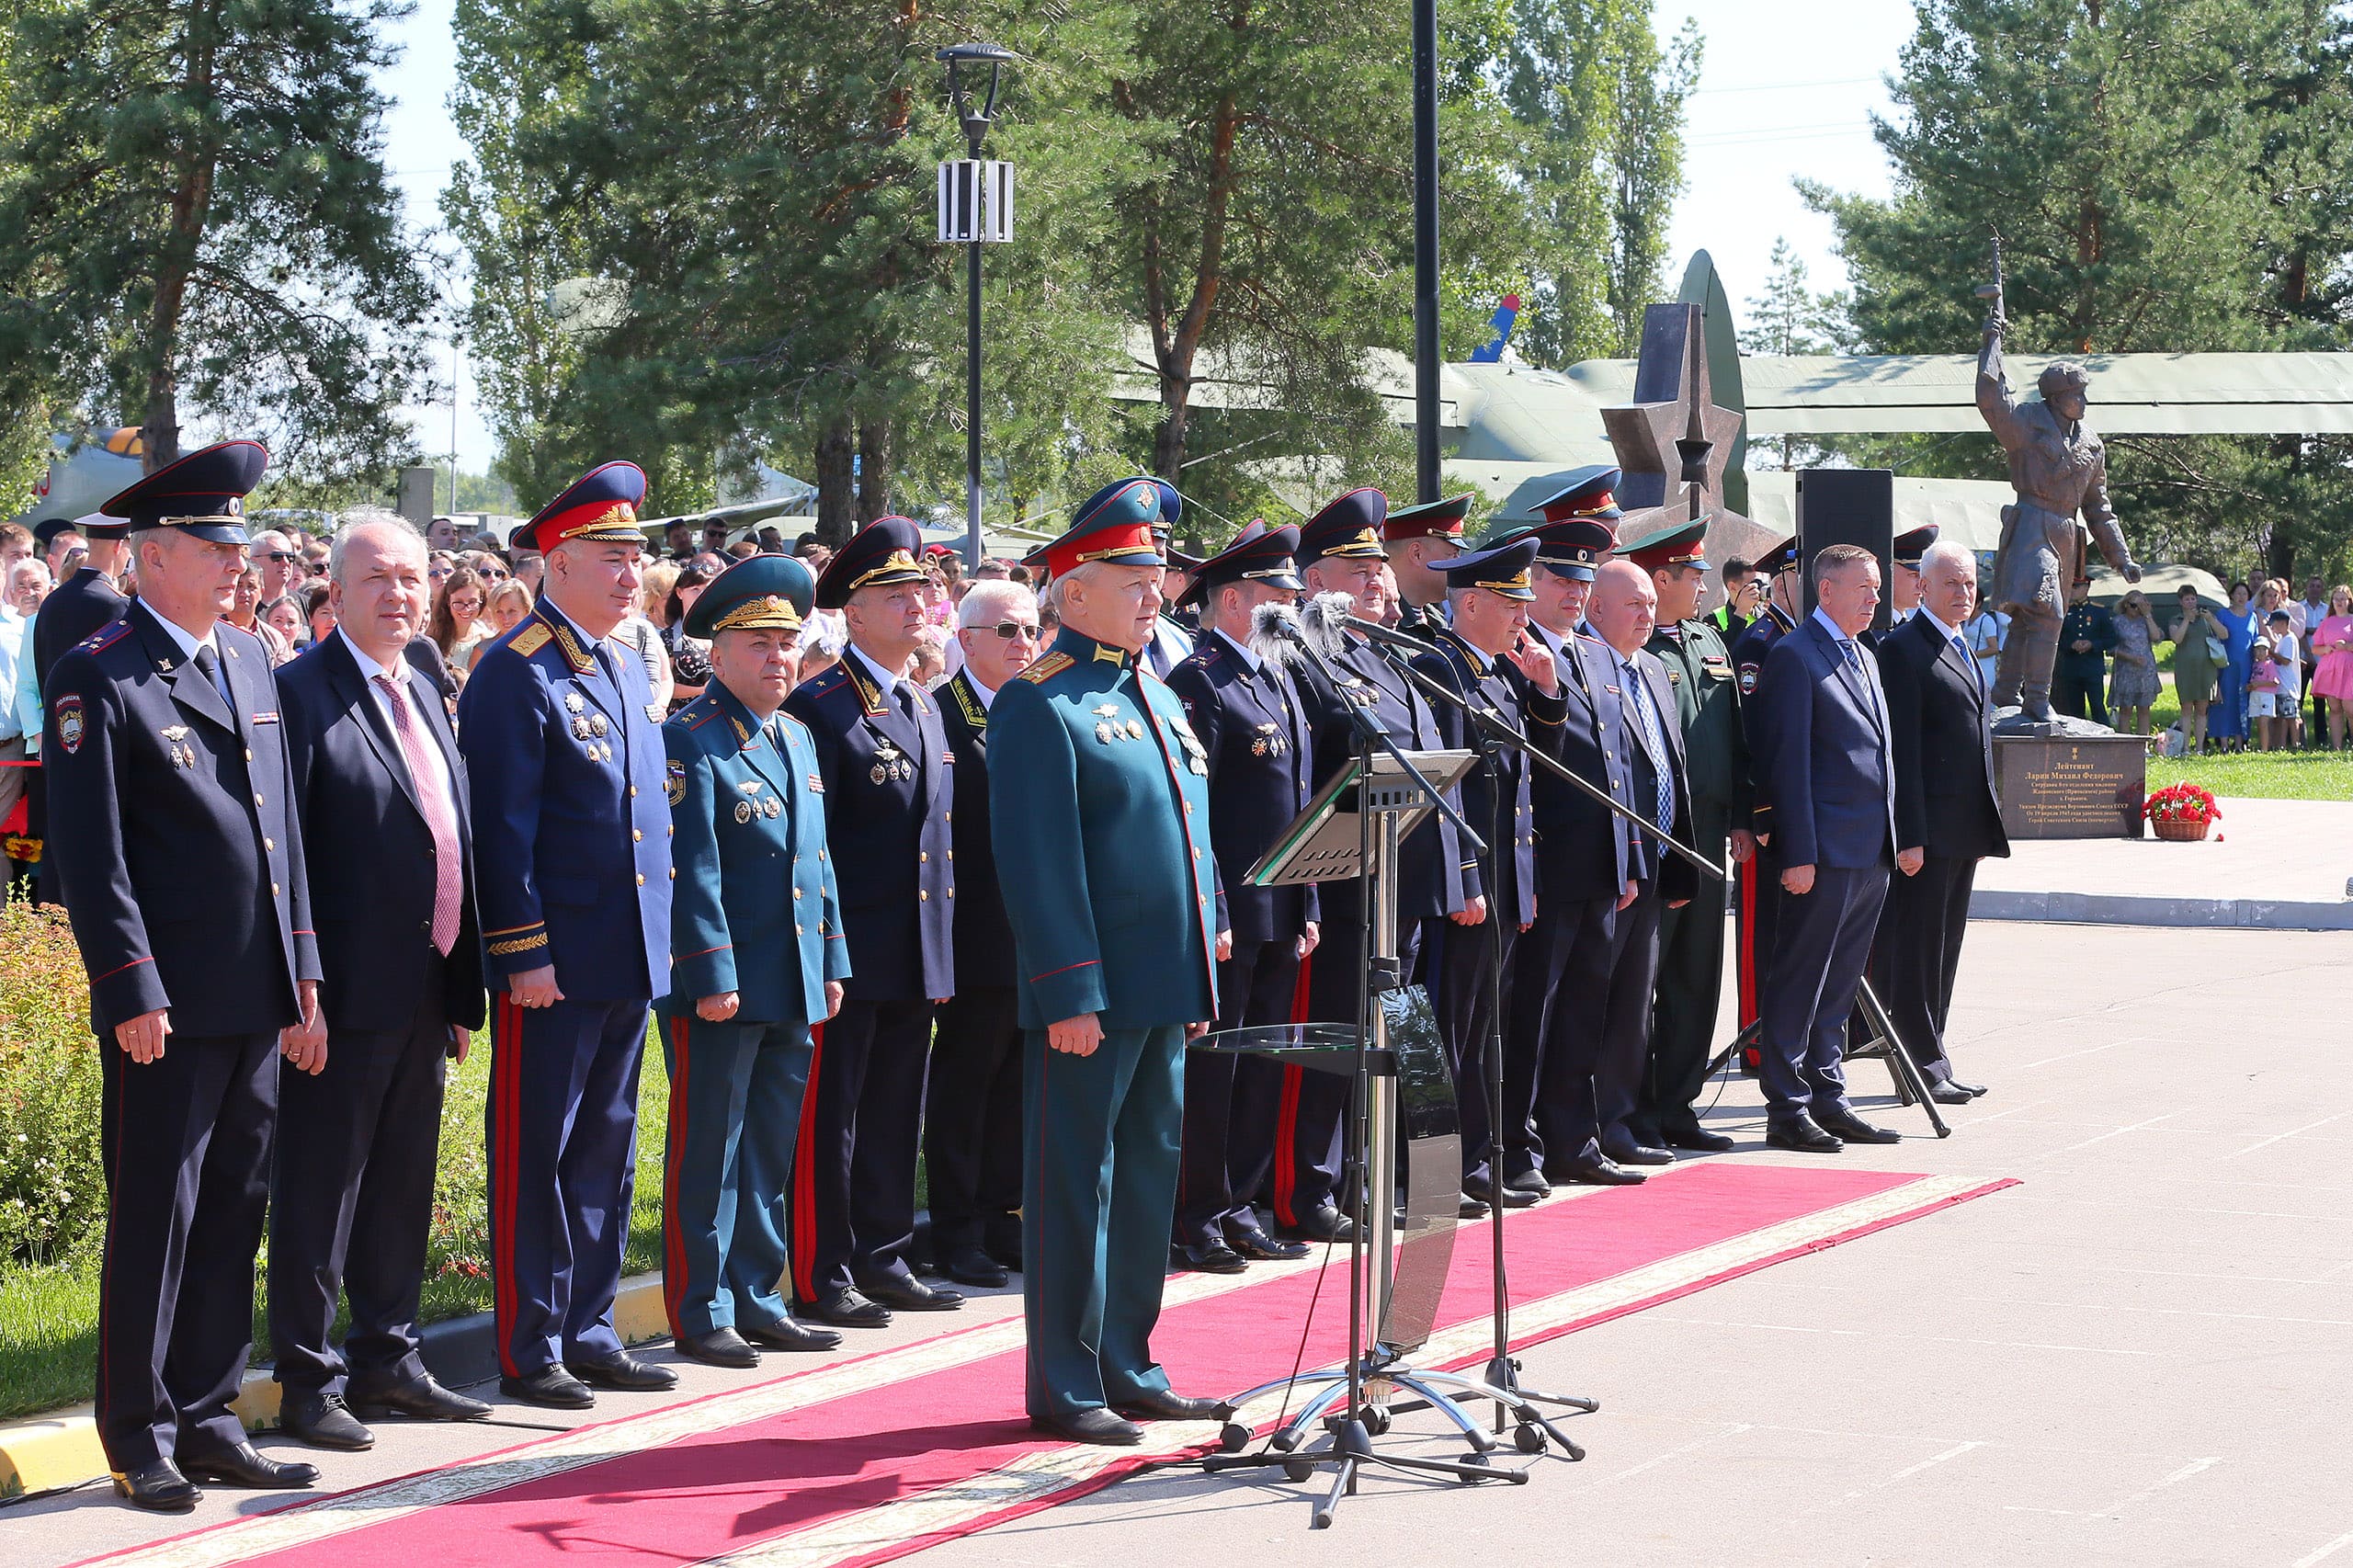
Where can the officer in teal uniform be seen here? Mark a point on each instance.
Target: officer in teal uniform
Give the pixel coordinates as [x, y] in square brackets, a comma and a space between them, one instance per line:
[1099, 791]
[756, 957]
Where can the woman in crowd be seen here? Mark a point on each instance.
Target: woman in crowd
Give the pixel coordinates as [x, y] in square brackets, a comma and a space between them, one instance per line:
[510, 604]
[2228, 720]
[283, 615]
[244, 614]
[640, 632]
[2195, 666]
[689, 656]
[456, 626]
[2132, 683]
[318, 611]
[2333, 672]
[654, 592]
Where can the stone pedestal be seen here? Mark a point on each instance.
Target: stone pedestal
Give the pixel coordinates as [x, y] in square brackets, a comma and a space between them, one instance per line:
[2082, 786]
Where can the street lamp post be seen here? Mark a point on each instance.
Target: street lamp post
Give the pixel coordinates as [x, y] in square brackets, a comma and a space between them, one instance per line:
[975, 208]
[1426, 372]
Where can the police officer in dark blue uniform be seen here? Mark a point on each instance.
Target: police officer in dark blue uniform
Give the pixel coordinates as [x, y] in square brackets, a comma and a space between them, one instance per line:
[1420, 539]
[1340, 552]
[1248, 717]
[890, 803]
[572, 862]
[82, 604]
[180, 858]
[1759, 897]
[1553, 1034]
[1486, 654]
[1100, 793]
[758, 957]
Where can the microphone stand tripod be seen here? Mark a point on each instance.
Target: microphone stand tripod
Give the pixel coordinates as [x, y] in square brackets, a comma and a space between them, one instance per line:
[1362, 1412]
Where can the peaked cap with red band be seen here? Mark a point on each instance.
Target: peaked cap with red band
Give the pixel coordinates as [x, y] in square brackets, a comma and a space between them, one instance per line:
[1442, 520]
[599, 507]
[1586, 494]
[1115, 525]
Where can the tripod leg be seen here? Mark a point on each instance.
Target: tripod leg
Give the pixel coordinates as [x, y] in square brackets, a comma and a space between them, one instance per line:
[1899, 1060]
[1342, 1483]
[1480, 1438]
[1748, 1036]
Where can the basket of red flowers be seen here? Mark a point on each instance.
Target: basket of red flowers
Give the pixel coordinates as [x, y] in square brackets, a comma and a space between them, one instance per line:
[2181, 812]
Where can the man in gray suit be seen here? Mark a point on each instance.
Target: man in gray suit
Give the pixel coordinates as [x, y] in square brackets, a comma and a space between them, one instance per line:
[1823, 759]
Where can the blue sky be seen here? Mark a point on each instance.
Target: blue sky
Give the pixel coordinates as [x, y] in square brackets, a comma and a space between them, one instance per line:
[1785, 91]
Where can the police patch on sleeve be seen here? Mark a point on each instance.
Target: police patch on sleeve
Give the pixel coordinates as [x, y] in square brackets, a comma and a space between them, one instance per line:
[1748, 680]
[69, 721]
[674, 786]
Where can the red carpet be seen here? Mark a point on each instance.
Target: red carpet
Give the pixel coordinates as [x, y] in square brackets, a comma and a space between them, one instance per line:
[798, 1470]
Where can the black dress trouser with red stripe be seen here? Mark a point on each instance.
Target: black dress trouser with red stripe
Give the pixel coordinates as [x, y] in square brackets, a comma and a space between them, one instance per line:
[852, 1214]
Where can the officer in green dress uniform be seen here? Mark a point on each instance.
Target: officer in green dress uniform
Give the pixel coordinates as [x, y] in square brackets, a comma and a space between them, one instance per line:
[1691, 936]
[756, 957]
[1100, 793]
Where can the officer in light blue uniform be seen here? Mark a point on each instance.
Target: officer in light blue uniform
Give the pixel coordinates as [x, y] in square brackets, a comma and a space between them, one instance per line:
[1099, 791]
[758, 957]
[571, 858]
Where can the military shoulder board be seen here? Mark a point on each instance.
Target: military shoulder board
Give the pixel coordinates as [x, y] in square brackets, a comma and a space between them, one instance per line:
[1047, 669]
[531, 640]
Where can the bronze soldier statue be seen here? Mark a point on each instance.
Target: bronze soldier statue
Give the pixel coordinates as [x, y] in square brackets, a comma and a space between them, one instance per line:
[2058, 466]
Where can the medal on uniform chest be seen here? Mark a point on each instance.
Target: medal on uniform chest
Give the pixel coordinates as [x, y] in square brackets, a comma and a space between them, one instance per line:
[743, 811]
[581, 732]
[889, 763]
[1267, 741]
[574, 703]
[181, 756]
[1104, 731]
[596, 722]
[771, 808]
[1135, 729]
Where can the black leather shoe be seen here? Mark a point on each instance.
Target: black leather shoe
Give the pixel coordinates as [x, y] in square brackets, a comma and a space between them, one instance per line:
[1007, 1254]
[1600, 1170]
[1950, 1093]
[625, 1372]
[243, 1466]
[1802, 1134]
[1466, 1206]
[1252, 1241]
[1480, 1191]
[909, 1294]
[846, 1309]
[1626, 1152]
[720, 1348]
[550, 1387]
[1167, 1406]
[1971, 1090]
[971, 1266]
[1698, 1139]
[1323, 1223]
[1853, 1129]
[1091, 1426]
[1530, 1181]
[421, 1400]
[323, 1421]
[1215, 1258]
[786, 1335]
[158, 1487]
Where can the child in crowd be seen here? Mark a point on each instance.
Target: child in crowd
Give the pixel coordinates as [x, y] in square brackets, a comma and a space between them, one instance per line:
[2285, 727]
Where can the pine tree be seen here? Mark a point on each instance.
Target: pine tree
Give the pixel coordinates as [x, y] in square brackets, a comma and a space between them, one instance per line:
[194, 210]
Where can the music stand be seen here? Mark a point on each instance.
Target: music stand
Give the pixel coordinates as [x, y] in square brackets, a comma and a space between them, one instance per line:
[1393, 1292]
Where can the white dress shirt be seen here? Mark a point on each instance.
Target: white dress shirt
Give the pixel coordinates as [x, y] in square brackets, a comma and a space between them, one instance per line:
[889, 681]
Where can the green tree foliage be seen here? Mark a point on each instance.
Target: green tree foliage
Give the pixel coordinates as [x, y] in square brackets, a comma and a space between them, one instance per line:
[2166, 176]
[194, 209]
[1600, 106]
[1789, 317]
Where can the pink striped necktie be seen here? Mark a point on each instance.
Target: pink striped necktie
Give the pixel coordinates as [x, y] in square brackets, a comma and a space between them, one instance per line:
[448, 872]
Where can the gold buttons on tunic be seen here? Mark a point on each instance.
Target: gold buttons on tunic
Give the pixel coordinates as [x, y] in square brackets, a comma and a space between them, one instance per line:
[641, 879]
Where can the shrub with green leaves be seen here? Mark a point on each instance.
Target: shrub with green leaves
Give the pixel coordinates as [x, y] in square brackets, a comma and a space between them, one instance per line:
[52, 1191]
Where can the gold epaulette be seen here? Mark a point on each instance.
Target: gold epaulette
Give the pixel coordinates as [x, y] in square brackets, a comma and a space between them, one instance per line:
[531, 639]
[1047, 669]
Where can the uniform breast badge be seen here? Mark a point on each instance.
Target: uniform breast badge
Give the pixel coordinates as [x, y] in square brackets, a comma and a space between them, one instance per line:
[1103, 731]
[743, 811]
[674, 785]
[182, 755]
[574, 703]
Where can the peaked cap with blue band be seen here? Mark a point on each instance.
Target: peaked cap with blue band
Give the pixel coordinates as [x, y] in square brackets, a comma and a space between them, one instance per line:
[1258, 554]
[204, 492]
[1503, 570]
[599, 507]
[761, 593]
[884, 553]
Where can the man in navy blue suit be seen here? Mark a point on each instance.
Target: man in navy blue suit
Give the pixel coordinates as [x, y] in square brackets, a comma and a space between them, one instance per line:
[1823, 759]
[381, 792]
[562, 744]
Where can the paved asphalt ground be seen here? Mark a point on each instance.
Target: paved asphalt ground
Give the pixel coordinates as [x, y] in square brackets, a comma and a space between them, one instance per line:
[2140, 1356]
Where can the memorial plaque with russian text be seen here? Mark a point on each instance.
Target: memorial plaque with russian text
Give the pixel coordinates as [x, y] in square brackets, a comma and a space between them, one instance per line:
[2080, 788]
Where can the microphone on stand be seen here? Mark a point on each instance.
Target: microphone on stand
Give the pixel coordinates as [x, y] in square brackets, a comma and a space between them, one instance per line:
[1384, 635]
[1324, 619]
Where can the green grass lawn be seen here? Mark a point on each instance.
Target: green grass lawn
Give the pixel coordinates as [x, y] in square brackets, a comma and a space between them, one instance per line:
[48, 1314]
[2263, 776]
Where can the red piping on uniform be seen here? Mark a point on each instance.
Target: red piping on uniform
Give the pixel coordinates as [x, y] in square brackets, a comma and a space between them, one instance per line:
[1287, 1115]
[1747, 967]
[674, 1250]
[133, 964]
[1064, 970]
[507, 1051]
[802, 1230]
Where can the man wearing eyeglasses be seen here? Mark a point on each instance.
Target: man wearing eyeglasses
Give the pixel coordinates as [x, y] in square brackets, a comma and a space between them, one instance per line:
[280, 563]
[972, 1133]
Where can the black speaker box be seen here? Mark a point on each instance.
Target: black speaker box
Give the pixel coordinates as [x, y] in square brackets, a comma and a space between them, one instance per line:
[1847, 505]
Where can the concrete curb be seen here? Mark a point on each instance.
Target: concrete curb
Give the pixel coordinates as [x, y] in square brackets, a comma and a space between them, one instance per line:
[2124, 909]
[46, 1453]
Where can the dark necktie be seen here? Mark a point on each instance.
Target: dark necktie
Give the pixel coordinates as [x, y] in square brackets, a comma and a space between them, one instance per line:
[440, 818]
[906, 694]
[1637, 693]
[210, 664]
